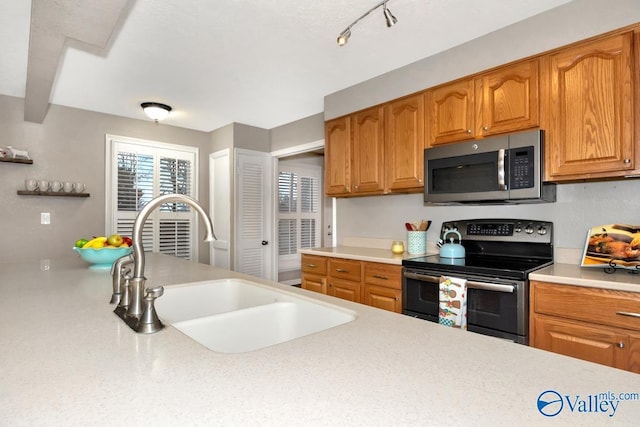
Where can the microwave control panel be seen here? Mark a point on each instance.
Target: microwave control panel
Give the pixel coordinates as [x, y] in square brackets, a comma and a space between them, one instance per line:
[521, 168]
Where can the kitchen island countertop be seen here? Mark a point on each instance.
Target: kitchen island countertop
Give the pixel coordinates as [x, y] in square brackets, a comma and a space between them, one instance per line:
[68, 360]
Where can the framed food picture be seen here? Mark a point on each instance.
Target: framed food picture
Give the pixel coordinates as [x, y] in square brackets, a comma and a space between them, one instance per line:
[612, 245]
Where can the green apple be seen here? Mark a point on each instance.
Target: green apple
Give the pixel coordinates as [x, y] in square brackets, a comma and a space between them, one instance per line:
[80, 243]
[115, 240]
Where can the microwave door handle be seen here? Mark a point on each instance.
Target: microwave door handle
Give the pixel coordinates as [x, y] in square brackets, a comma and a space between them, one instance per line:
[502, 186]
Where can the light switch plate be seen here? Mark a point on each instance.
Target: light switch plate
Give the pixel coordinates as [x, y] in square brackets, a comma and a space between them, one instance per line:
[45, 218]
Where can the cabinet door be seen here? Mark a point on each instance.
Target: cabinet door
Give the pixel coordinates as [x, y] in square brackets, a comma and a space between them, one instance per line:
[583, 341]
[591, 110]
[312, 282]
[404, 143]
[633, 363]
[368, 151]
[337, 157]
[345, 289]
[451, 113]
[383, 298]
[510, 100]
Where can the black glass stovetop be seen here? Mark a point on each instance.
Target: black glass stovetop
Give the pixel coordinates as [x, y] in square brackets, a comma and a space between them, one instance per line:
[485, 265]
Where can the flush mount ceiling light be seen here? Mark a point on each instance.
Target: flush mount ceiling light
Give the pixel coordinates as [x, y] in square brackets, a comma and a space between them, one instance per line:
[155, 110]
[388, 16]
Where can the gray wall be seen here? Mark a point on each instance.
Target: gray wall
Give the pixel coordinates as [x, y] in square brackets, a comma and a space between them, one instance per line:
[308, 129]
[69, 146]
[579, 206]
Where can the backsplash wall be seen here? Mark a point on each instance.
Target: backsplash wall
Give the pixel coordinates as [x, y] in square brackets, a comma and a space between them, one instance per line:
[578, 207]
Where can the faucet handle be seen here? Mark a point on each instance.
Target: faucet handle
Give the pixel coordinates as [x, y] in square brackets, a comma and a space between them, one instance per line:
[149, 321]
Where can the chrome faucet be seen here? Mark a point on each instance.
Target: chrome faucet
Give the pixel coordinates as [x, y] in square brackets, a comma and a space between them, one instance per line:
[136, 306]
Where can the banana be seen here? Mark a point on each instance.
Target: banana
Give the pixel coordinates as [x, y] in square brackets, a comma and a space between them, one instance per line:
[635, 243]
[97, 243]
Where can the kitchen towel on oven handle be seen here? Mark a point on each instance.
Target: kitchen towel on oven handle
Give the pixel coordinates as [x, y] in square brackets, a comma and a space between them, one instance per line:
[452, 307]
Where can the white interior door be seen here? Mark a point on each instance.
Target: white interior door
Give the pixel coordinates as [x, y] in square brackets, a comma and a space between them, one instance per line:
[220, 207]
[253, 252]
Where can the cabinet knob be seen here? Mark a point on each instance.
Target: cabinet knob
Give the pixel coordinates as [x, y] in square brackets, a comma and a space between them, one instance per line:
[485, 128]
[627, 161]
[620, 344]
[468, 130]
[356, 187]
[419, 180]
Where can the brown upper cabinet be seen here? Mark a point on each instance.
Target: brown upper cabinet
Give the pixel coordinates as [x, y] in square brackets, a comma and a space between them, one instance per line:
[500, 101]
[337, 159]
[404, 143]
[377, 150]
[368, 151]
[591, 118]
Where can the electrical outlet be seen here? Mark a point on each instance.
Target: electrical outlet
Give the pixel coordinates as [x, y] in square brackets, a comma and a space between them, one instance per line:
[45, 218]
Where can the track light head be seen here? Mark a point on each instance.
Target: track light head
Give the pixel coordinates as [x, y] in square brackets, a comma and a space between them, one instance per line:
[343, 38]
[391, 20]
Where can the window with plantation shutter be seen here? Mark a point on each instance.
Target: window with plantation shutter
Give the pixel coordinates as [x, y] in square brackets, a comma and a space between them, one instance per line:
[138, 171]
[299, 212]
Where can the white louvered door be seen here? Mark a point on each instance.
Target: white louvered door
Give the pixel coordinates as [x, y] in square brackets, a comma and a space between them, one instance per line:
[253, 190]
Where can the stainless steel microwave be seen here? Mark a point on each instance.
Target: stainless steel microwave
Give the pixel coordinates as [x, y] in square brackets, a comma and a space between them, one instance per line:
[501, 169]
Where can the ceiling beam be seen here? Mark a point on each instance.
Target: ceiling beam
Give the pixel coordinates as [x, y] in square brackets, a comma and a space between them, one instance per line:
[87, 24]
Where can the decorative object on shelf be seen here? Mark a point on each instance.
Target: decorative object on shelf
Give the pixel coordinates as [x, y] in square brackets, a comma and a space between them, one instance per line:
[67, 187]
[78, 187]
[56, 186]
[3, 152]
[388, 16]
[17, 154]
[155, 110]
[30, 184]
[43, 185]
[612, 246]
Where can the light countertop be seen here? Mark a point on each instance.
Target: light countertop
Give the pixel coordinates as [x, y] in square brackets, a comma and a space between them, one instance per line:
[67, 360]
[571, 274]
[361, 254]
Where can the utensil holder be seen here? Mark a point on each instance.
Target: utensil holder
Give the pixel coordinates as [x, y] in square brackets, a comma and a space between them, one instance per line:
[416, 242]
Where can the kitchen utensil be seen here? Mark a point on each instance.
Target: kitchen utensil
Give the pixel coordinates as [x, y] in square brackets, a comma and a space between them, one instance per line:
[43, 185]
[30, 184]
[408, 226]
[67, 187]
[452, 250]
[56, 186]
[416, 242]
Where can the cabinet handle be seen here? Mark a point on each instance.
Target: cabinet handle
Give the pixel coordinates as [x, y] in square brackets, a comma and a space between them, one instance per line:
[341, 270]
[620, 344]
[378, 276]
[628, 313]
[311, 265]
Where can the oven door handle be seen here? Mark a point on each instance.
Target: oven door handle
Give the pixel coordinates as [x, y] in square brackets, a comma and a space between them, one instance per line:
[470, 283]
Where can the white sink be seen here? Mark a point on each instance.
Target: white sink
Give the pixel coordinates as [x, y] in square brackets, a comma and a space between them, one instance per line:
[236, 316]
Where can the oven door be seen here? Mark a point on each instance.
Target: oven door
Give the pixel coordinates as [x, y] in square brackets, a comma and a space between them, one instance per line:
[495, 307]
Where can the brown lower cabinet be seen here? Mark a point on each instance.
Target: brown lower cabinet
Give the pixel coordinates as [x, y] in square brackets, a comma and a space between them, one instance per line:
[598, 325]
[375, 284]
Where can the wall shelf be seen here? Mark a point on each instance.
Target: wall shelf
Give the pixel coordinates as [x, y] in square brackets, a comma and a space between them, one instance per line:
[16, 160]
[51, 193]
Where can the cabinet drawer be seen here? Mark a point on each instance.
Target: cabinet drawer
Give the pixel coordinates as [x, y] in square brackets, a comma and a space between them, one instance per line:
[387, 275]
[314, 264]
[345, 269]
[602, 306]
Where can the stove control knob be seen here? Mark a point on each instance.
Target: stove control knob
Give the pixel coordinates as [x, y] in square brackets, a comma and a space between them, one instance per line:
[529, 229]
[542, 230]
[518, 228]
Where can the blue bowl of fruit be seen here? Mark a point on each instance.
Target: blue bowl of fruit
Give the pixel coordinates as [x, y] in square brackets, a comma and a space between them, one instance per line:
[101, 252]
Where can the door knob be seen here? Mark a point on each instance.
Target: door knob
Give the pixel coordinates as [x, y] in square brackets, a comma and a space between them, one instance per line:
[264, 243]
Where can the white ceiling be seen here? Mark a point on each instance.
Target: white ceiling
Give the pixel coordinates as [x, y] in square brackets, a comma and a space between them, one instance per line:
[259, 62]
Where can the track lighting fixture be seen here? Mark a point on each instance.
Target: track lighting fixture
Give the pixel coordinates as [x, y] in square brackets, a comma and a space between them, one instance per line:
[388, 16]
[155, 110]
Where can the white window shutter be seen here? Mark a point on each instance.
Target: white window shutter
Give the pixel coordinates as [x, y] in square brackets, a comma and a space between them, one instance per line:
[144, 170]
